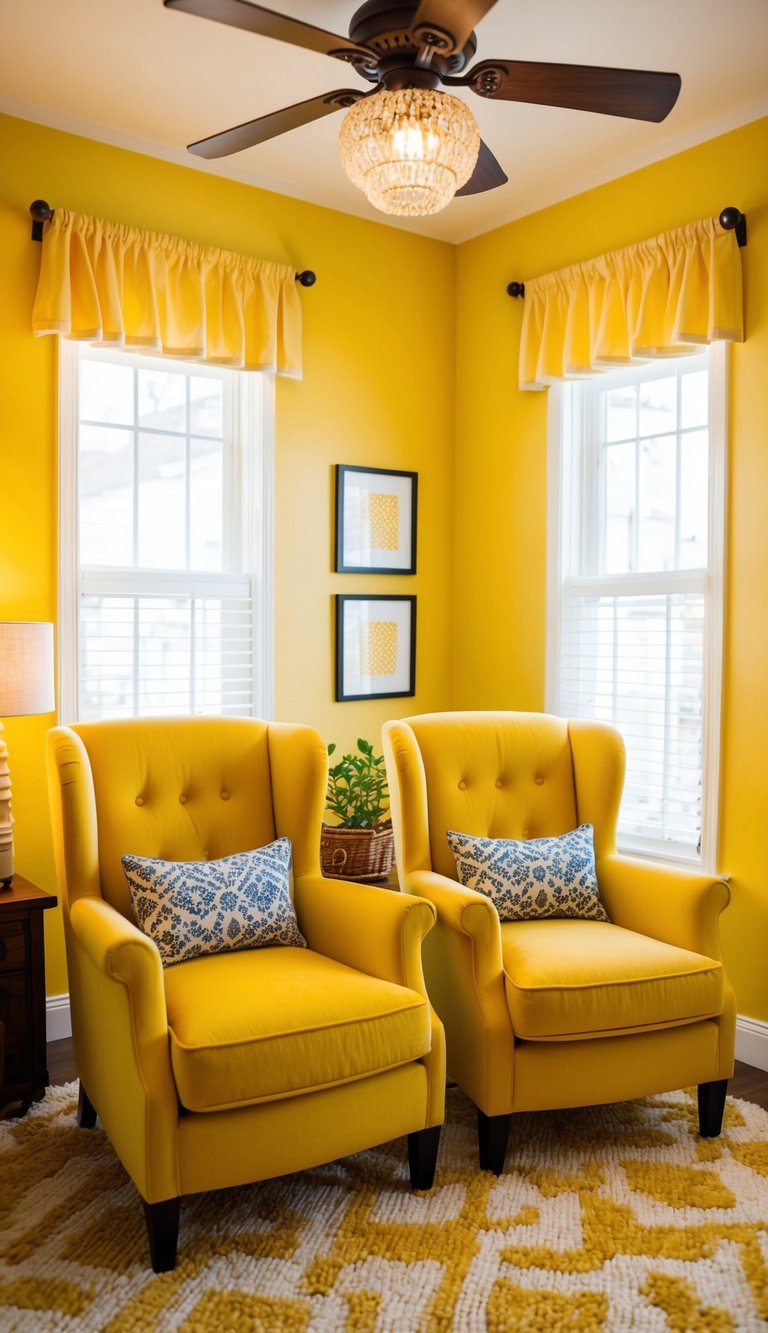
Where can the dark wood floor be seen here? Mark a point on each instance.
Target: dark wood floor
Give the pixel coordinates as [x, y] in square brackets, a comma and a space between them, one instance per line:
[747, 1083]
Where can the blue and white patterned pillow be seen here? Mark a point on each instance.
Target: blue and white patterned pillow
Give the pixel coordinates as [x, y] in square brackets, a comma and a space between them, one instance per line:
[533, 878]
[197, 907]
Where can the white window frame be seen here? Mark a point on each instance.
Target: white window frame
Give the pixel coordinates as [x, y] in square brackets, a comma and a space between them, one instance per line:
[253, 488]
[563, 420]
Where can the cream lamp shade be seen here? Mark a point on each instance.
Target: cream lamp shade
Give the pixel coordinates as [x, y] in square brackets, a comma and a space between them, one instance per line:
[26, 686]
[409, 149]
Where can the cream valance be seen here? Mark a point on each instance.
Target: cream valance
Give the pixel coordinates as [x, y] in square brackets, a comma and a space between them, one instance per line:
[663, 297]
[123, 287]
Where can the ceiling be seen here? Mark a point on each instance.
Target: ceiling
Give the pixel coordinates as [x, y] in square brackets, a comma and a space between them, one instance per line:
[133, 73]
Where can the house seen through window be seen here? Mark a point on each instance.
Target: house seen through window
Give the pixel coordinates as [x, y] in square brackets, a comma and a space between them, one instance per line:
[166, 482]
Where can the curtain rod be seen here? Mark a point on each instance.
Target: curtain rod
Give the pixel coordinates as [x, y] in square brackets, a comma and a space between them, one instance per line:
[731, 219]
[42, 212]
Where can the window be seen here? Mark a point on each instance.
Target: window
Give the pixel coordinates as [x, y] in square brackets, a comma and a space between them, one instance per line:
[635, 582]
[166, 485]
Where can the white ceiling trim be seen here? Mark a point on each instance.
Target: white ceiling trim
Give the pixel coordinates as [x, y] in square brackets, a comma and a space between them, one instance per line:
[230, 171]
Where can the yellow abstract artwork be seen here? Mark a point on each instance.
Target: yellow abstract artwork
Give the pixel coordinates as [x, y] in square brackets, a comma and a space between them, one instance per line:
[384, 519]
[378, 648]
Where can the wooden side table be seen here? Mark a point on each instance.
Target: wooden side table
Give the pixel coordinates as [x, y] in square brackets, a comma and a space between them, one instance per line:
[24, 1076]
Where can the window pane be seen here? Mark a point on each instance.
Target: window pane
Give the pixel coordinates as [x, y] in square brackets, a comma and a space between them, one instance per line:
[164, 674]
[105, 484]
[658, 406]
[206, 406]
[162, 400]
[620, 413]
[637, 662]
[657, 484]
[206, 505]
[694, 499]
[620, 508]
[634, 546]
[106, 392]
[162, 502]
[165, 613]
[694, 394]
[106, 657]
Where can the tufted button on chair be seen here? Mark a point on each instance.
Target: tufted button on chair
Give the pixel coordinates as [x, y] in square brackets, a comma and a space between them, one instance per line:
[556, 1012]
[234, 1066]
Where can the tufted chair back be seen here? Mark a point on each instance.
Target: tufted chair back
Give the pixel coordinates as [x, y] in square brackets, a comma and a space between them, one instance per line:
[179, 788]
[499, 775]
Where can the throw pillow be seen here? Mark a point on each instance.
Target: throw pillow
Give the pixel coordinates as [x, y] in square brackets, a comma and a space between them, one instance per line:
[535, 877]
[197, 907]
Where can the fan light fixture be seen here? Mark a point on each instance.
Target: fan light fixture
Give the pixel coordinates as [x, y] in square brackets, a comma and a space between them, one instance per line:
[409, 150]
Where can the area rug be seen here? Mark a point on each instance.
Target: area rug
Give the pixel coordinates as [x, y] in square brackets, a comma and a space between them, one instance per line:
[612, 1218]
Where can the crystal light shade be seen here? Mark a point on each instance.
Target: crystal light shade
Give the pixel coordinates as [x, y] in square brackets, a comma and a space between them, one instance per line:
[409, 150]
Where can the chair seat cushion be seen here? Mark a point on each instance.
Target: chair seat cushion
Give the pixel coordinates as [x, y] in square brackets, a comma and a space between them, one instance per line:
[268, 1023]
[570, 979]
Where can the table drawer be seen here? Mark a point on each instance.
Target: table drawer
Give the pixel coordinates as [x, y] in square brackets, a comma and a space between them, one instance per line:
[13, 946]
[14, 1001]
[17, 1056]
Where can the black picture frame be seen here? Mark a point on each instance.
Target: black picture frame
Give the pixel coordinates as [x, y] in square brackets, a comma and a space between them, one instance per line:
[358, 520]
[393, 647]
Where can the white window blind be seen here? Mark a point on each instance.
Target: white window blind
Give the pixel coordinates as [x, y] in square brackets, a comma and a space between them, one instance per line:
[635, 615]
[166, 538]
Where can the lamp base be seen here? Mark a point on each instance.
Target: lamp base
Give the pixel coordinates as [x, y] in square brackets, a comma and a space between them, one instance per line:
[6, 818]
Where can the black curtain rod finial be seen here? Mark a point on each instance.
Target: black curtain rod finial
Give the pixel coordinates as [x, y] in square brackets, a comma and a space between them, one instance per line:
[732, 219]
[307, 278]
[516, 289]
[41, 212]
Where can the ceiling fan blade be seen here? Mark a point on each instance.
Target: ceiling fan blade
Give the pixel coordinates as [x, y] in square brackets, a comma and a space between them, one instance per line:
[266, 22]
[277, 122]
[638, 93]
[454, 18]
[487, 174]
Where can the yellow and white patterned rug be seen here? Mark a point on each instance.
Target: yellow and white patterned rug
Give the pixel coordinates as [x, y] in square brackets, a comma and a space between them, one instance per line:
[613, 1218]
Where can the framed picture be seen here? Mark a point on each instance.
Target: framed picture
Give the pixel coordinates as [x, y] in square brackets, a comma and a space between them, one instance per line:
[375, 520]
[375, 646]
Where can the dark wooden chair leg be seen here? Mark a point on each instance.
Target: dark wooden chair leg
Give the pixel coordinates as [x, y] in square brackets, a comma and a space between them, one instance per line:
[492, 1137]
[422, 1156]
[163, 1232]
[86, 1111]
[711, 1107]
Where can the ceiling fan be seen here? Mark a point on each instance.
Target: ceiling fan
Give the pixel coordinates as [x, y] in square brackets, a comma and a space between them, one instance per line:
[408, 145]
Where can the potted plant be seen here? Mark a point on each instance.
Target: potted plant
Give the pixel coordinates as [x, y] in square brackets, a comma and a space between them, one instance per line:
[360, 844]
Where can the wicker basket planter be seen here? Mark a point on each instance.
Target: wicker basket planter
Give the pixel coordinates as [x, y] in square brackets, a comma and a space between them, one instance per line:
[357, 853]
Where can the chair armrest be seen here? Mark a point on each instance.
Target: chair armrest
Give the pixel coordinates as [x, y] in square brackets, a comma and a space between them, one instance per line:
[464, 910]
[117, 948]
[122, 1048]
[373, 930]
[465, 977]
[668, 903]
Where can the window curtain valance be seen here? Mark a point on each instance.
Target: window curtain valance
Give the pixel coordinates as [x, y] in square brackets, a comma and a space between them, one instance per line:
[121, 286]
[662, 297]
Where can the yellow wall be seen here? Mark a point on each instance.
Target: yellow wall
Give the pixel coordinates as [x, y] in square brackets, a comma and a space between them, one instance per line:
[377, 363]
[501, 479]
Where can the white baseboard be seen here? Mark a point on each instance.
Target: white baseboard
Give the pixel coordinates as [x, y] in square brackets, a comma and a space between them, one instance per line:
[751, 1033]
[58, 1020]
[752, 1042]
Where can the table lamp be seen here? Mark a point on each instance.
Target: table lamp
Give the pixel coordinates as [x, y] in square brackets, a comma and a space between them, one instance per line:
[26, 686]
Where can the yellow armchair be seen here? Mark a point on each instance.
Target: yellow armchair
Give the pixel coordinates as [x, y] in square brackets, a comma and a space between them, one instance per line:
[556, 1012]
[235, 1066]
